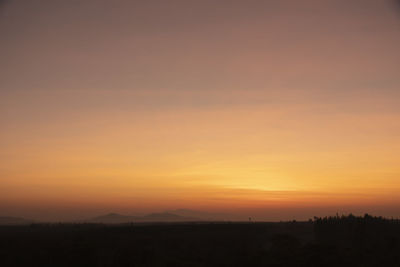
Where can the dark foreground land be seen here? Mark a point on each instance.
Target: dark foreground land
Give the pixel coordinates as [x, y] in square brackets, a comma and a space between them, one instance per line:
[334, 241]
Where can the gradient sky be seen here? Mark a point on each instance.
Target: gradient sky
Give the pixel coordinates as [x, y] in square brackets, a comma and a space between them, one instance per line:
[273, 109]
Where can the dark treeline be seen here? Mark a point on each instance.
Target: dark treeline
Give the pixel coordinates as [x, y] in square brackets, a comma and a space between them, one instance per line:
[360, 241]
[329, 241]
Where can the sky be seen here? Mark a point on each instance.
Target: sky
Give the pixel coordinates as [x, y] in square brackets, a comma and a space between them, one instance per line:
[270, 109]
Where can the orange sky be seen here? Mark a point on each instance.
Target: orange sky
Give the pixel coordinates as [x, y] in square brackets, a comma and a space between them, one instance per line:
[271, 109]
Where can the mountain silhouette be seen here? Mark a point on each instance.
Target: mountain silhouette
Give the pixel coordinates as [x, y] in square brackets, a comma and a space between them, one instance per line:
[205, 216]
[14, 221]
[114, 218]
[167, 217]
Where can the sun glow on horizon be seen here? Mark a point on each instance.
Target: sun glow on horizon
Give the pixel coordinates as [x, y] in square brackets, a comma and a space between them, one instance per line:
[284, 107]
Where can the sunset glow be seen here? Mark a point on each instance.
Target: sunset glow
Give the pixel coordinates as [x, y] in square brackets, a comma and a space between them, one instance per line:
[275, 110]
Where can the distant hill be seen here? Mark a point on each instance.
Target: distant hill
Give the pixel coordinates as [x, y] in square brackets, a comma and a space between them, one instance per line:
[168, 217]
[14, 221]
[205, 216]
[114, 218]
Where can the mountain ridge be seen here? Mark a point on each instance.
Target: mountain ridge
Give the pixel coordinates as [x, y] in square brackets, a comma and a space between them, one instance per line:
[8, 220]
[113, 218]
